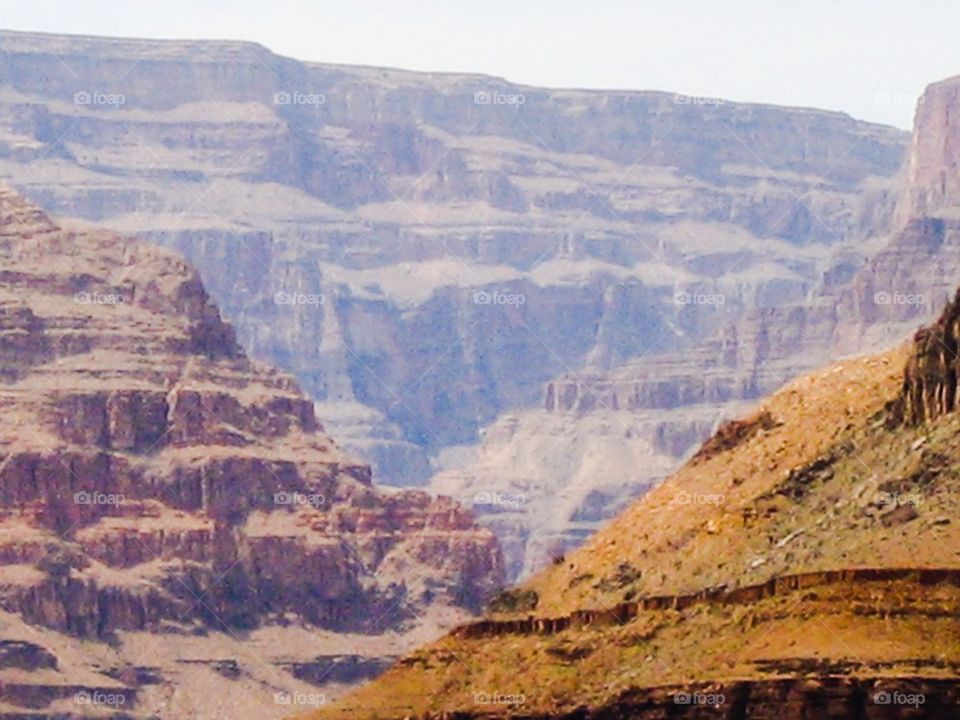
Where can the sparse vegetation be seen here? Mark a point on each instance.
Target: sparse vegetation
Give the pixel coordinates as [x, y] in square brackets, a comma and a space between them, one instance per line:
[581, 578]
[515, 600]
[625, 574]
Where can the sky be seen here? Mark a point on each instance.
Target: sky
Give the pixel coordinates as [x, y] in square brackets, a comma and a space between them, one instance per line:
[869, 58]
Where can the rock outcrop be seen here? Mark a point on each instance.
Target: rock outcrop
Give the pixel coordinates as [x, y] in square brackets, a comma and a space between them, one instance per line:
[153, 480]
[783, 585]
[930, 383]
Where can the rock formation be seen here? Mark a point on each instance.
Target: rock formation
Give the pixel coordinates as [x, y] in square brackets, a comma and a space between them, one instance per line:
[155, 482]
[930, 380]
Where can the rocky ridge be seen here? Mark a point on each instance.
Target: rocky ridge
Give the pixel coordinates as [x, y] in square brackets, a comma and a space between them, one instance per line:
[157, 484]
[803, 562]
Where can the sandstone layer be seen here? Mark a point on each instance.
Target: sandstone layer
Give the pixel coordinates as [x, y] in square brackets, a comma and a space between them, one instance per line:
[156, 483]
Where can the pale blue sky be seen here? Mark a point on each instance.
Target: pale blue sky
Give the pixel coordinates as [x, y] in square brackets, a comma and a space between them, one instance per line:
[870, 58]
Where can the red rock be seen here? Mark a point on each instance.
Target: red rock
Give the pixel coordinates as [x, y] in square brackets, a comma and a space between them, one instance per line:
[137, 429]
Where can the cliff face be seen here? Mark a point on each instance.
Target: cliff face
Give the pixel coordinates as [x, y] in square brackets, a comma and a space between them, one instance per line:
[456, 241]
[155, 481]
[932, 170]
[912, 276]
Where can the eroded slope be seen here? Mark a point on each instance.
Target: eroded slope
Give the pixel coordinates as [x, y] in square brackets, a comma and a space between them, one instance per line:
[805, 561]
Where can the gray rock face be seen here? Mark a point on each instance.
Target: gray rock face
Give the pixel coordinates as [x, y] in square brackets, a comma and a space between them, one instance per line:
[426, 252]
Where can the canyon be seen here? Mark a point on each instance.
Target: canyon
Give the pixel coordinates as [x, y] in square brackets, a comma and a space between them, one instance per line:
[517, 310]
[538, 301]
[179, 536]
